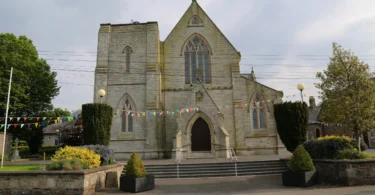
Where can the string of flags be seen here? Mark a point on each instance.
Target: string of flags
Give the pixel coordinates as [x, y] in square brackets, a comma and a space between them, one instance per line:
[119, 112]
[325, 124]
[41, 121]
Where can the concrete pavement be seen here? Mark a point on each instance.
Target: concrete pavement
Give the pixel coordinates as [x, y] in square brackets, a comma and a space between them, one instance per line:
[257, 185]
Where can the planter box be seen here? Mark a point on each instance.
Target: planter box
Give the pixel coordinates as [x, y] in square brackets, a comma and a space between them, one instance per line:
[83, 182]
[141, 184]
[299, 179]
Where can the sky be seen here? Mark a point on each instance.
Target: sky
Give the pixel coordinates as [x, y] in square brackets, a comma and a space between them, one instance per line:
[286, 41]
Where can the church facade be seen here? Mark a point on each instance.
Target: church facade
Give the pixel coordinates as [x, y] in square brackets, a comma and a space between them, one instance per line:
[185, 92]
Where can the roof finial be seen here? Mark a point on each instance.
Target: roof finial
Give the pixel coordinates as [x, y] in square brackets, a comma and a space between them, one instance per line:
[252, 69]
[194, 1]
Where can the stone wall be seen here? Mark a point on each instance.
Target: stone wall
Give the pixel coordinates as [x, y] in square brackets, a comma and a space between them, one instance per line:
[84, 182]
[344, 172]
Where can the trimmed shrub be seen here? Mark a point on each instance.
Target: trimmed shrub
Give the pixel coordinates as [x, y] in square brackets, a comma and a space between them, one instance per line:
[135, 167]
[106, 154]
[97, 122]
[85, 155]
[291, 121]
[351, 154]
[301, 160]
[327, 147]
[66, 164]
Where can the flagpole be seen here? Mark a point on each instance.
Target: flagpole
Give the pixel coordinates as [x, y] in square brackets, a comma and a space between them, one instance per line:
[6, 118]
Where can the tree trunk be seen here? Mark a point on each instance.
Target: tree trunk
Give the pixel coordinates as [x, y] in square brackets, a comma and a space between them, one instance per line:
[358, 139]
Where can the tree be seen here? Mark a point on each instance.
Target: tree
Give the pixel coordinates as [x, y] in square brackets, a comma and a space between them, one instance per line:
[291, 121]
[56, 112]
[348, 92]
[97, 122]
[34, 85]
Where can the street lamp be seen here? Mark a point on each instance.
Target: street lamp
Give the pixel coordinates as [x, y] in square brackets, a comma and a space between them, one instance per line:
[301, 87]
[101, 94]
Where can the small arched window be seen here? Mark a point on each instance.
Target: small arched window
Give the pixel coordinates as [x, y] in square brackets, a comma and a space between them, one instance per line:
[127, 117]
[128, 51]
[317, 133]
[258, 113]
[195, 20]
[197, 61]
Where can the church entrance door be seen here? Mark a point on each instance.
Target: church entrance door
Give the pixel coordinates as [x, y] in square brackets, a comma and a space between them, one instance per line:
[200, 136]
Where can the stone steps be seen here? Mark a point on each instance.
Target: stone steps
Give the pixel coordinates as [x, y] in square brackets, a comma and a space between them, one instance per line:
[226, 169]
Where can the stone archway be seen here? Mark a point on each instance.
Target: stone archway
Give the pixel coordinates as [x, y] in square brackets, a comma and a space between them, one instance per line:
[200, 136]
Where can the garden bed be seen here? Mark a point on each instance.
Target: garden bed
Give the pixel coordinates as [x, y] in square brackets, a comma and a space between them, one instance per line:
[344, 172]
[83, 182]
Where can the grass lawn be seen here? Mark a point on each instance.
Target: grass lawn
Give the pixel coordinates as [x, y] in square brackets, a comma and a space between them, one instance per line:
[20, 168]
[371, 155]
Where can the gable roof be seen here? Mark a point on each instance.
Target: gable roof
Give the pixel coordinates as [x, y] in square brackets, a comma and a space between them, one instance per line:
[193, 3]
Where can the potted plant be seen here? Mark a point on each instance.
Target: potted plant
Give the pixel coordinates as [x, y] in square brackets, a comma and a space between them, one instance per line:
[136, 178]
[302, 173]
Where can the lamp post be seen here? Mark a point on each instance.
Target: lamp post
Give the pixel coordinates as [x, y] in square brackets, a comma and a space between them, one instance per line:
[301, 87]
[101, 94]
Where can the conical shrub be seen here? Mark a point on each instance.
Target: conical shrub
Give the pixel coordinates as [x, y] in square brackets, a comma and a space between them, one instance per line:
[135, 167]
[301, 160]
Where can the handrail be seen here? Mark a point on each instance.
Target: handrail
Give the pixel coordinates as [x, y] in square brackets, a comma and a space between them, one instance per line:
[233, 155]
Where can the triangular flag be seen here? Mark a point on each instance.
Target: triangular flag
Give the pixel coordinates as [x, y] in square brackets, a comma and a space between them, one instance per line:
[50, 118]
[36, 124]
[28, 126]
[11, 118]
[37, 118]
[1, 126]
[143, 114]
[154, 113]
[21, 125]
[24, 119]
[187, 110]
[9, 126]
[18, 119]
[172, 113]
[55, 121]
[15, 125]
[44, 118]
[139, 115]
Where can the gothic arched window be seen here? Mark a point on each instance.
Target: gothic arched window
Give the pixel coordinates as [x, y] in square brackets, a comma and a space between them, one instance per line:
[197, 60]
[128, 51]
[127, 117]
[258, 113]
[195, 20]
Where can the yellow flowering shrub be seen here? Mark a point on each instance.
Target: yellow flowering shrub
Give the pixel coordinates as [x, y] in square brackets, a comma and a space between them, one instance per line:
[333, 137]
[86, 156]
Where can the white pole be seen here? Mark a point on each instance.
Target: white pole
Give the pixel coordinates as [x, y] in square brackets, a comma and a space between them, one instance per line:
[6, 118]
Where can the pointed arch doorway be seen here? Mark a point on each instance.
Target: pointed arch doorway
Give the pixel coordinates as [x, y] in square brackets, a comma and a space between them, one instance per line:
[200, 136]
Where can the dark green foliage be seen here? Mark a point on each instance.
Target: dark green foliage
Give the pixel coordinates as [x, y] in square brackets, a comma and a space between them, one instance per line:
[135, 167]
[350, 154]
[291, 121]
[364, 146]
[56, 112]
[35, 139]
[327, 148]
[301, 160]
[49, 150]
[97, 122]
[34, 85]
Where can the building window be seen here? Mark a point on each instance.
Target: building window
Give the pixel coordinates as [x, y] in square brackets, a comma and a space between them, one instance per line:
[317, 133]
[197, 61]
[195, 20]
[127, 117]
[258, 114]
[128, 51]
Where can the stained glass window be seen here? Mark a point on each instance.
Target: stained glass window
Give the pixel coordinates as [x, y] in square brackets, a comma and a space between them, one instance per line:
[258, 114]
[197, 57]
[195, 20]
[127, 52]
[127, 117]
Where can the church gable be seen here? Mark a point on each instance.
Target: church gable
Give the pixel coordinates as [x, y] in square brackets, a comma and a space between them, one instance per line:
[195, 20]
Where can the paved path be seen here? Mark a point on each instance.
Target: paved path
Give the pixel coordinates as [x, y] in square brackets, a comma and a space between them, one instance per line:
[257, 185]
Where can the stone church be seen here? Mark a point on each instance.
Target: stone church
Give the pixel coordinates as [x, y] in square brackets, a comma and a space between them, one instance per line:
[185, 92]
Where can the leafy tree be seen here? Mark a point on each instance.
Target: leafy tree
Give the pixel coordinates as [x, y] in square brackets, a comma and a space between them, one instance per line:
[97, 122]
[291, 121]
[34, 85]
[348, 92]
[56, 112]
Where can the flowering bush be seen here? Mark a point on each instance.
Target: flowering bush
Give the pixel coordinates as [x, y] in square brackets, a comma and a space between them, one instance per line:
[106, 154]
[86, 156]
[73, 164]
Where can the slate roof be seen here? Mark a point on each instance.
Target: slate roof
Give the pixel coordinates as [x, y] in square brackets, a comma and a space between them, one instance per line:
[51, 129]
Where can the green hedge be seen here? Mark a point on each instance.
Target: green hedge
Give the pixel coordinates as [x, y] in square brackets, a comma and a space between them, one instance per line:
[327, 147]
[97, 122]
[25, 153]
[301, 160]
[291, 121]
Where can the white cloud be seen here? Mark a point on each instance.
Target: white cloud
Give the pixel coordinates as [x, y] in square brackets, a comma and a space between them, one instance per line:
[335, 23]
